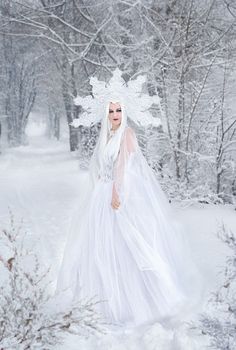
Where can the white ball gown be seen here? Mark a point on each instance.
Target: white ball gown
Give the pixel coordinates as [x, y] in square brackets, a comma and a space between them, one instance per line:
[135, 259]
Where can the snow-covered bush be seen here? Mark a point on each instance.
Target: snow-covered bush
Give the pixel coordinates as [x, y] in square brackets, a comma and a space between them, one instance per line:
[219, 322]
[24, 320]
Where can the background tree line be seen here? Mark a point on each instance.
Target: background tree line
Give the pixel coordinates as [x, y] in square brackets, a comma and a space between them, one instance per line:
[187, 49]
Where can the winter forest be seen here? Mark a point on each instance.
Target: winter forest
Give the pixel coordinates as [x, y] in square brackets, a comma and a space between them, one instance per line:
[49, 49]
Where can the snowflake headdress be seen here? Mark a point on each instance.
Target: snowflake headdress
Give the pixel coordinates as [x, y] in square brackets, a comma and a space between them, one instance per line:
[130, 95]
[134, 104]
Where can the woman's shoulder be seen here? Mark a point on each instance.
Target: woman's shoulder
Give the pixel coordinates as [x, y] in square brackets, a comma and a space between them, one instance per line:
[130, 139]
[129, 131]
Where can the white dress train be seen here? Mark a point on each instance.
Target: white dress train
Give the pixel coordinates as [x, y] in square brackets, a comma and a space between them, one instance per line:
[135, 259]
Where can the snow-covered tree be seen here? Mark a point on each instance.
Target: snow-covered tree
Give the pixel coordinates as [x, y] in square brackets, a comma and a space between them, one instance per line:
[219, 321]
[186, 49]
[25, 322]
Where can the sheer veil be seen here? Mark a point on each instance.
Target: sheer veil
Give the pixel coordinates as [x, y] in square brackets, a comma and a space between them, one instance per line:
[144, 220]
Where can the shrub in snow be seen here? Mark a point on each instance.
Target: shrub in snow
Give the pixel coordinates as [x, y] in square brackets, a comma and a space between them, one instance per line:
[24, 320]
[219, 322]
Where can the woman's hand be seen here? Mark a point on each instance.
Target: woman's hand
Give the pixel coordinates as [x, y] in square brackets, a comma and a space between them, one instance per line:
[115, 202]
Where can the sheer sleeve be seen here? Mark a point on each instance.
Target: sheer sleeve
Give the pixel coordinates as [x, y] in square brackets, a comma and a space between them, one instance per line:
[128, 148]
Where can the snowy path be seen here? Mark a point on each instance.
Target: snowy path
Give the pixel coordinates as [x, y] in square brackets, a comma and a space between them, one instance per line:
[41, 182]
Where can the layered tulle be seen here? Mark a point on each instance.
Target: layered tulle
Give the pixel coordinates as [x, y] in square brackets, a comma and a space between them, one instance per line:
[137, 259]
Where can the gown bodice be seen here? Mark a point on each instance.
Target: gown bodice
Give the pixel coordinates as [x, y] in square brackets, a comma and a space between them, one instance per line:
[106, 171]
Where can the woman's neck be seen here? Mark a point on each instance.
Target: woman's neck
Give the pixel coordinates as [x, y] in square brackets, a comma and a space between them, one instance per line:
[114, 128]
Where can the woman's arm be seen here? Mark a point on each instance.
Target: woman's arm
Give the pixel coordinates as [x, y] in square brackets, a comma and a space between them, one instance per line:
[115, 201]
[128, 145]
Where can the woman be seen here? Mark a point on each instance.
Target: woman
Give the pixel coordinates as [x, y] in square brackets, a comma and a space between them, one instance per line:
[125, 246]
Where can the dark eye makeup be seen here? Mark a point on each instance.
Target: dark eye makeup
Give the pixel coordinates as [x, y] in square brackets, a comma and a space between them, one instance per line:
[118, 110]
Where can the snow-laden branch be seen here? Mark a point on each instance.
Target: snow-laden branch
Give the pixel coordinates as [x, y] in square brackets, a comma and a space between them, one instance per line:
[27, 320]
[53, 16]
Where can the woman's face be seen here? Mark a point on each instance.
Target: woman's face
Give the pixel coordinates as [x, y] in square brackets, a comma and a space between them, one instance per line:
[115, 114]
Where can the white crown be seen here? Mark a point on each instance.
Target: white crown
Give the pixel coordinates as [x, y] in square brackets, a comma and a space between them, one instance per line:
[136, 103]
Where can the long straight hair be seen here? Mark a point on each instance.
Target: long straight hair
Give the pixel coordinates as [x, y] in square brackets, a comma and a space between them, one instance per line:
[105, 148]
[111, 148]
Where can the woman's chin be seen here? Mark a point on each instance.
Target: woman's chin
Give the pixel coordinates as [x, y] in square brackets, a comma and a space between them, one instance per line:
[116, 123]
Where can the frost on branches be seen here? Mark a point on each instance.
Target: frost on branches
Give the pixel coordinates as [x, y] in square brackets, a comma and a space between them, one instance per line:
[24, 321]
[219, 322]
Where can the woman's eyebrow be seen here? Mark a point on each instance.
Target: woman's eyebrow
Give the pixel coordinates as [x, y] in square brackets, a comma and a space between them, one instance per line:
[112, 110]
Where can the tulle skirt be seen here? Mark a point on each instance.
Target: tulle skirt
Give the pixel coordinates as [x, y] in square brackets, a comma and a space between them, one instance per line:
[136, 260]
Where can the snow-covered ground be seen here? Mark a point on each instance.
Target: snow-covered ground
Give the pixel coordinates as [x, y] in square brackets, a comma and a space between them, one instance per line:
[41, 183]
